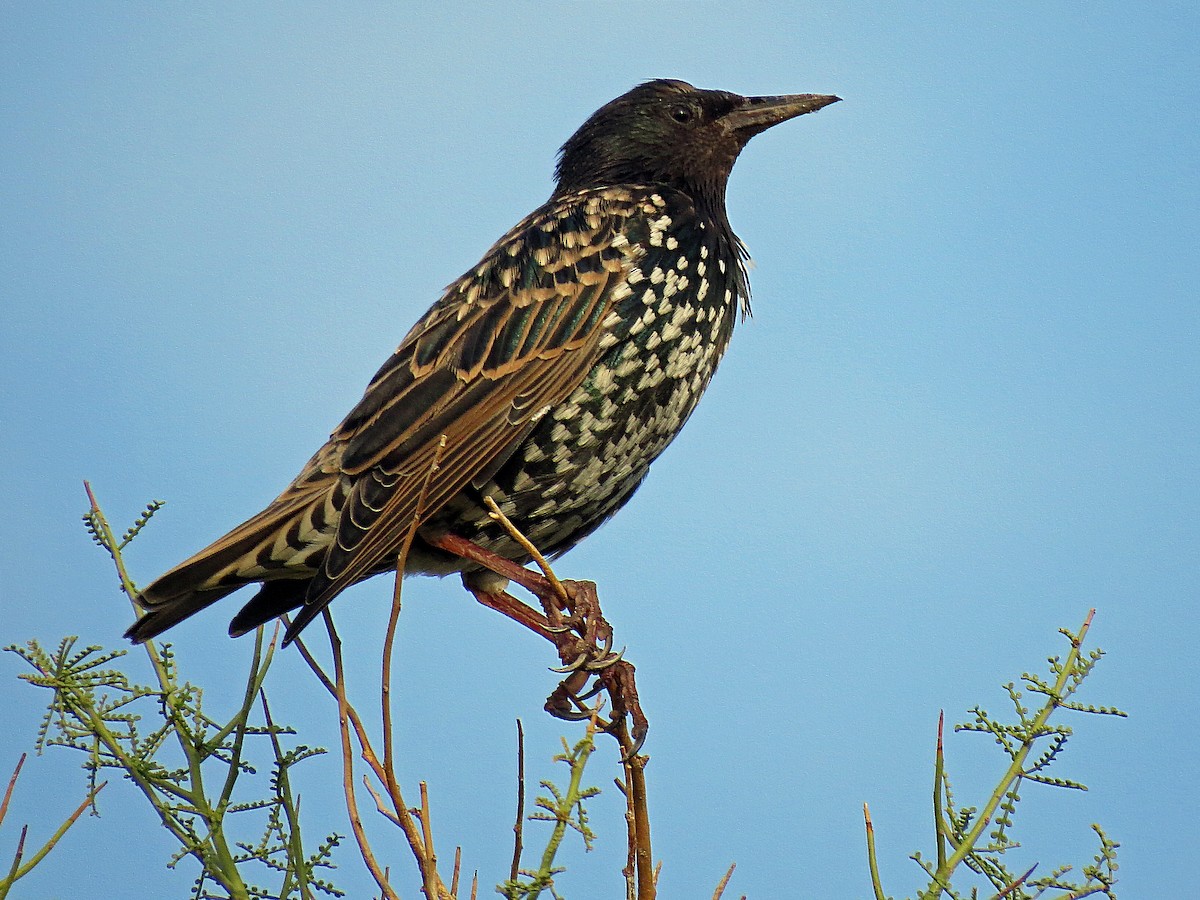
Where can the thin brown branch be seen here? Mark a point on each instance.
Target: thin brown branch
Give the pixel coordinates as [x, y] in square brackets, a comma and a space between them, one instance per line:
[1020, 881]
[724, 882]
[356, 825]
[400, 810]
[457, 870]
[12, 783]
[385, 680]
[15, 871]
[379, 804]
[360, 731]
[519, 825]
[639, 828]
[630, 870]
[430, 867]
[535, 554]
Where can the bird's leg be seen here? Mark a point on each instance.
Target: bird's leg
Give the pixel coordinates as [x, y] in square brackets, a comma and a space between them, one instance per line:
[577, 656]
[508, 605]
[568, 699]
[581, 601]
[534, 582]
[583, 640]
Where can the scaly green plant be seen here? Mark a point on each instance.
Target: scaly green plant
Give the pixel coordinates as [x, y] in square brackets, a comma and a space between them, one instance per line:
[962, 833]
[161, 737]
[565, 808]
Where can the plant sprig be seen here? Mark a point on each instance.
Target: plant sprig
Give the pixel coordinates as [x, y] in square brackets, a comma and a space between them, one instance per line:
[978, 838]
[187, 763]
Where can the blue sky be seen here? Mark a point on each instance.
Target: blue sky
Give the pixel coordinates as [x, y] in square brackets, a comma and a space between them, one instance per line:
[965, 411]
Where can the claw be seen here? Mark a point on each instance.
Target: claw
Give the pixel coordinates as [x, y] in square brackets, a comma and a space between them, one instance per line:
[558, 629]
[573, 715]
[590, 693]
[638, 741]
[571, 666]
[608, 642]
[601, 664]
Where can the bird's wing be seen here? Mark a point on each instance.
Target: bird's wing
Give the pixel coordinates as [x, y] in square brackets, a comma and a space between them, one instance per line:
[509, 340]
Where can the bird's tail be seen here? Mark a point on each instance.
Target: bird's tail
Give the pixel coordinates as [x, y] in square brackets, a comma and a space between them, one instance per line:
[263, 548]
[164, 613]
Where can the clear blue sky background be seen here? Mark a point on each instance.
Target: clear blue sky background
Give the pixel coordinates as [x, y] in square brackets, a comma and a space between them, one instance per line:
[966, 409]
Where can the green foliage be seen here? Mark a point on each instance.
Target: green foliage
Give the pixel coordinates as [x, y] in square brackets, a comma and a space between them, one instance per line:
[97, 526]
[566, 810]
[960, 830]
[187, 763]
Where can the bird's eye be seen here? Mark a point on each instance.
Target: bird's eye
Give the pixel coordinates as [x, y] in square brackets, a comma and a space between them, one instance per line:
[681, 114]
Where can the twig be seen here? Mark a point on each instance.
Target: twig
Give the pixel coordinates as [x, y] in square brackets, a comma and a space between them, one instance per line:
[385, 680]
[213, 852]
[356, 825]
[400, 814]
[1016, 768]
[527, 545]
[127, 584]
[12, 782]
[378, 798]
[724, 881]
[15, 868]
[630, 869]
[20, 871]
[872, 862]
[635, 781]
[1016, 884]
[519, 825]
[939, 787]
[430, 853]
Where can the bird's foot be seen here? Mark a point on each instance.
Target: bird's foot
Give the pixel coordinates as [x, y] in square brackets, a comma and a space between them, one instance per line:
[570, 701]
[584, 642]
[585, 647]
[572, 620]
[584, 619]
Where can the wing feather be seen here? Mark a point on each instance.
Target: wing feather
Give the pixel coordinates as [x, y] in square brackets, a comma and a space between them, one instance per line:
[514, 336]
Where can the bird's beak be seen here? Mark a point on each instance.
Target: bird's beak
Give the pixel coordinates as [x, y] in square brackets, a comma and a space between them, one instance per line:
[756, 114]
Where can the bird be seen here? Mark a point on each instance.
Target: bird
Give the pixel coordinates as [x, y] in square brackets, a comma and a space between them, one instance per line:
[547, 378]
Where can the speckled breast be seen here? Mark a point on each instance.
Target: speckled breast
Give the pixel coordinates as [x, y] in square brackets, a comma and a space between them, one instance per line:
[661, 344]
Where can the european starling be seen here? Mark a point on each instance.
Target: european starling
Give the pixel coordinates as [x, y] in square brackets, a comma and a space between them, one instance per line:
[548, 377]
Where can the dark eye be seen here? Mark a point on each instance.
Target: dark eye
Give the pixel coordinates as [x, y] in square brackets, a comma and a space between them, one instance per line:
[681, 114]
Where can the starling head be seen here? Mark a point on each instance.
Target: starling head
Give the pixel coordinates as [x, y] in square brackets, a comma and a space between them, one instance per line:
[668, 132]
